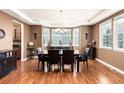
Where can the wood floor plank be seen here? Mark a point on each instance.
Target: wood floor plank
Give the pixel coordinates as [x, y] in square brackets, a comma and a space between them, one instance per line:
[97, 73]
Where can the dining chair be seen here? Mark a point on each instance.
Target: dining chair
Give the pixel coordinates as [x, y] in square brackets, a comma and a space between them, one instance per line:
[66, 48]
[83, 58]
[41, 58]
[68, 58]
[53, 58]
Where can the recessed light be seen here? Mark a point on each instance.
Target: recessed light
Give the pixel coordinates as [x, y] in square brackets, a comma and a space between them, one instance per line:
[60, 11]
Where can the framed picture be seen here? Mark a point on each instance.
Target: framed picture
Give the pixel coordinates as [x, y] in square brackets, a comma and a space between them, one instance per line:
[2, 34]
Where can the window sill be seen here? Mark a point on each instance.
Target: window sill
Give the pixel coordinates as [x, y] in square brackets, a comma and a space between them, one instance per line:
[75, 45]
[108, 48]
[60, 45]
[118, 50]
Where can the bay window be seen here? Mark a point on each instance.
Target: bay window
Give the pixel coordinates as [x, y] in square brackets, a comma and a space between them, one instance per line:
[60, 37]
[75, 36]
[46, 36]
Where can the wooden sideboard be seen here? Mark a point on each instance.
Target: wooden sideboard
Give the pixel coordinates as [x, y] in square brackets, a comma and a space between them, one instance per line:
[7, 61]
[30, 52]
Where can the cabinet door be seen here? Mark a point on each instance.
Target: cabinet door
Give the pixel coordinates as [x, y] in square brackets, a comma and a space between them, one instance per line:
[9, 63]
[0, 68]
[18, 53]
[14, 62]
[4, 66]
[93, 53]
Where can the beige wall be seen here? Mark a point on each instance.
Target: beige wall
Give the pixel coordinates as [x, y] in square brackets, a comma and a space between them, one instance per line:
[26, 38]
[7, 26]
[110, 56]
[36, 29]
[17, 27]
[6, 23]
[83, 41]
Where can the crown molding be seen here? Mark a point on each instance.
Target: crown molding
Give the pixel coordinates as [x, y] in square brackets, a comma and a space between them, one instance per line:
[18, 15]
[104, 13]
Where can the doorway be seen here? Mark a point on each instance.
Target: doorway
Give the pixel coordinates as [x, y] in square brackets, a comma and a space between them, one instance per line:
[18, 38]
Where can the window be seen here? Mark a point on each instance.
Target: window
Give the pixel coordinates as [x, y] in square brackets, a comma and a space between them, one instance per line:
[61, 37]
[105, 35]
[119, 32]
[75, 36]
[46, 39]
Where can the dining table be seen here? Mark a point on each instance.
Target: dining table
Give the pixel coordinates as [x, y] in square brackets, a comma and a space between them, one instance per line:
[76, 53]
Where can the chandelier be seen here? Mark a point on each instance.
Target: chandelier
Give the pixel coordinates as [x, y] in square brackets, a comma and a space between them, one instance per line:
[60, 29]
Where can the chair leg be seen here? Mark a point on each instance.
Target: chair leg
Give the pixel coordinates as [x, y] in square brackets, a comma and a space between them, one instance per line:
[54, 67]
[59, 67]
[87, 64]
[43, 63]
[49, 67]
[62, 67]
[72, 67]
[84, 63]
[77, 66]
[38, 64]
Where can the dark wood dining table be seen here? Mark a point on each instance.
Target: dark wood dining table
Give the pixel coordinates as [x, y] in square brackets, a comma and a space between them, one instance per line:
[76, 53]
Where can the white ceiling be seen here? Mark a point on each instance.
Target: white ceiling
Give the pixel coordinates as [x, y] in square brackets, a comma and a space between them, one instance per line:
[55, 18]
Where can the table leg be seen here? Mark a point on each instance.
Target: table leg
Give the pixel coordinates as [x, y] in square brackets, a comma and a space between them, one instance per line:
[77, 66]
[43, 66]
[74, 65]
[61, 69]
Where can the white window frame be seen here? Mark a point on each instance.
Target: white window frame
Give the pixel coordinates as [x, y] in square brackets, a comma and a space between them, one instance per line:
[100, 34]
[115, 38]
[43, 36]
[50, 36]
[74, 35]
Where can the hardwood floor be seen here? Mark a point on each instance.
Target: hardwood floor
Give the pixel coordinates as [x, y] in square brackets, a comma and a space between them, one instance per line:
[27, 73]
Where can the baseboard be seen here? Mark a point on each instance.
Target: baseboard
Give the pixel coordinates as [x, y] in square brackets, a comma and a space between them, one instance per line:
[35, 57]
[24, 59]
[28, 58]
[110, 66]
